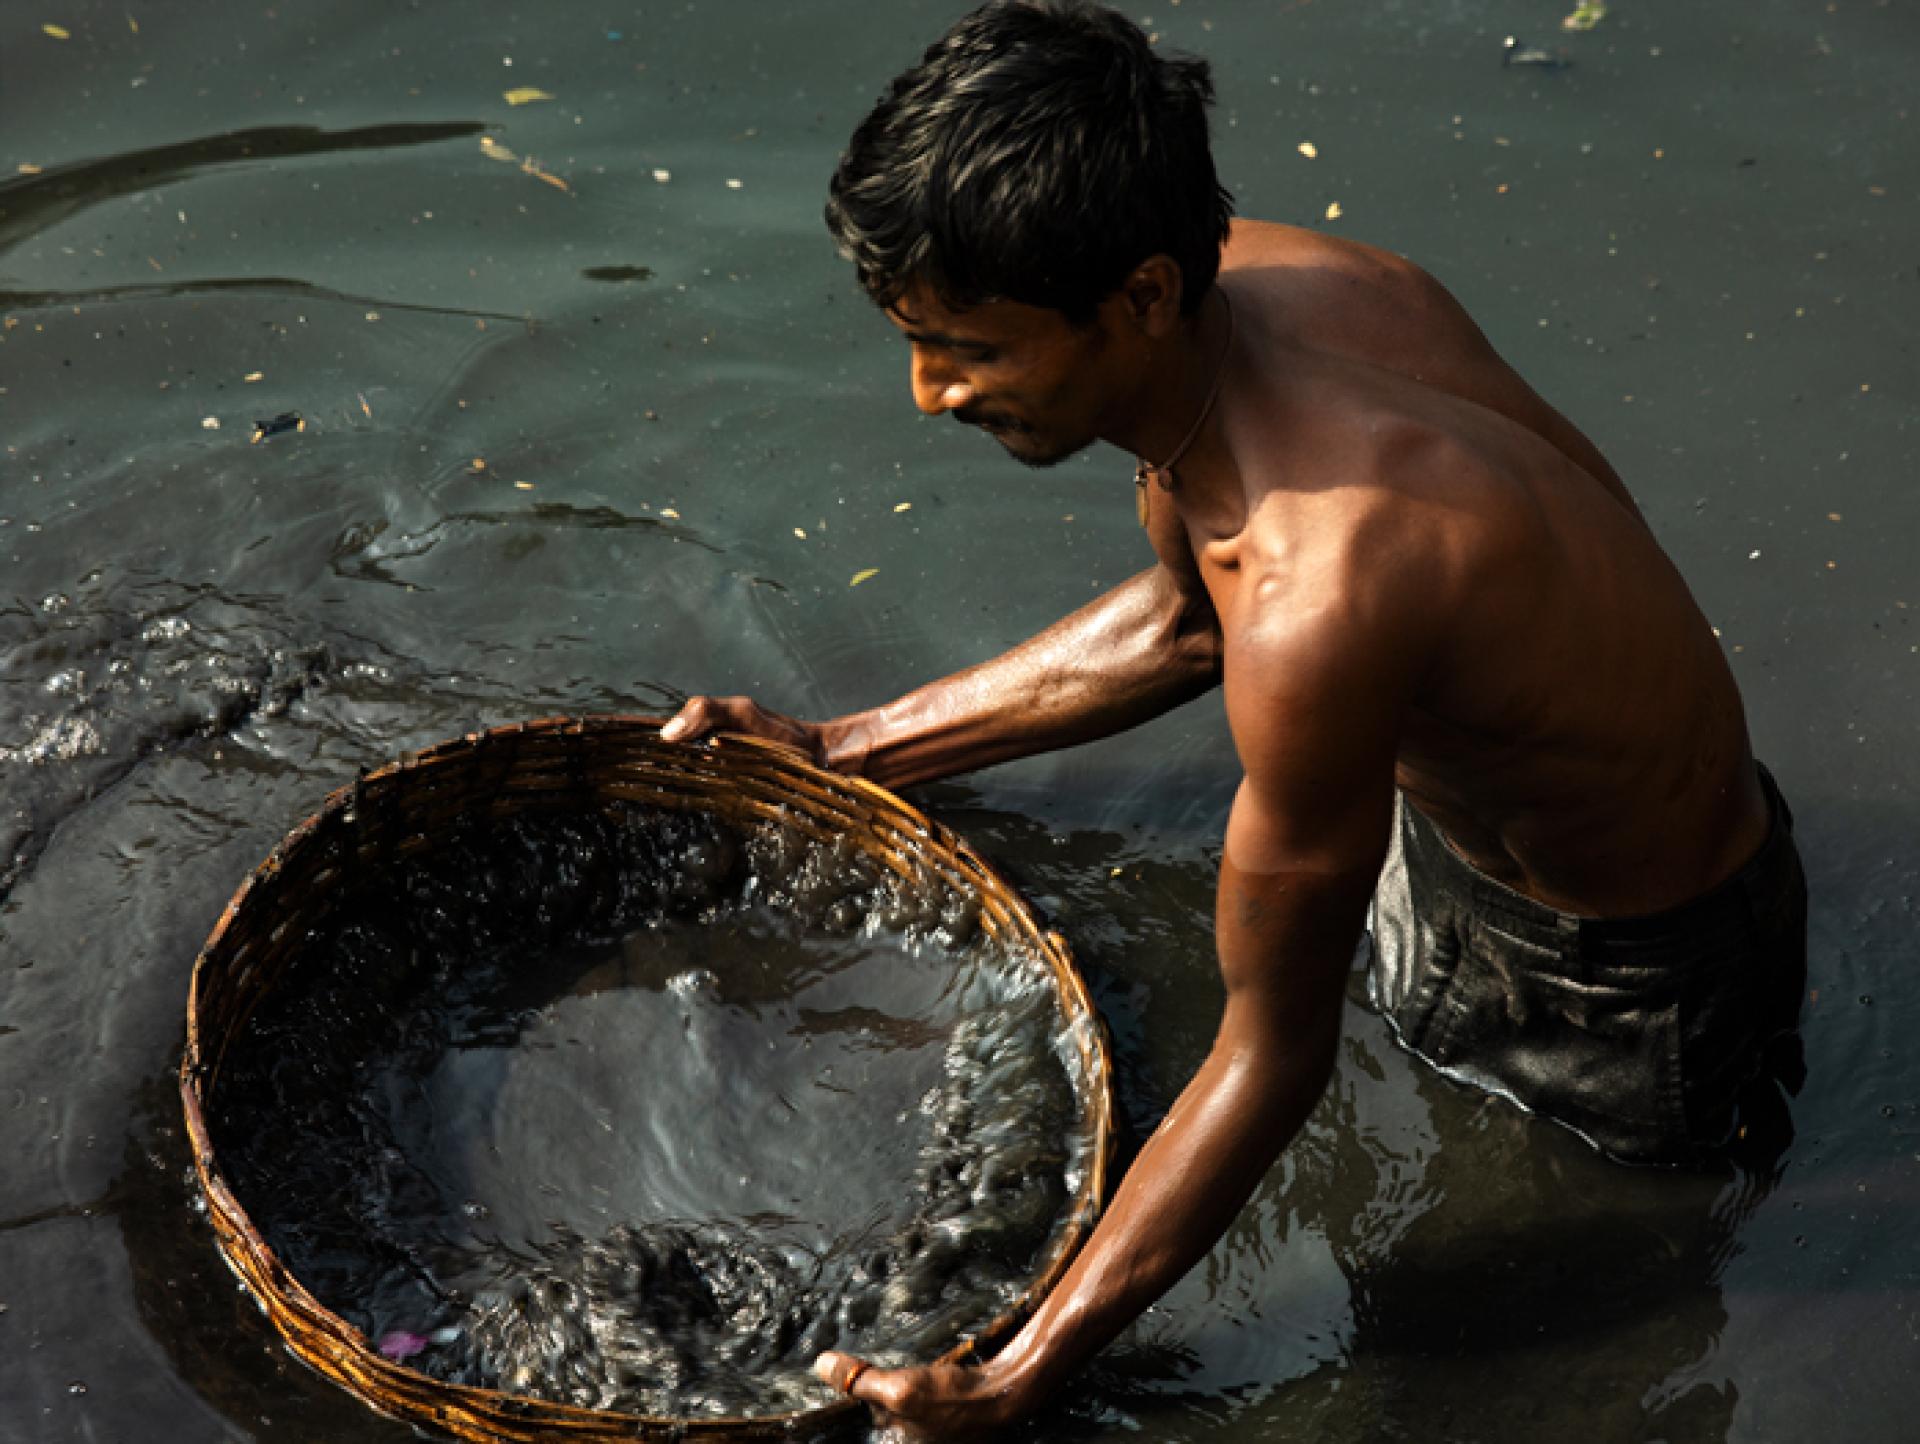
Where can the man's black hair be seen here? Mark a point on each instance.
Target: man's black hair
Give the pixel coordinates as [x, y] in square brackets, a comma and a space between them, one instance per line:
[1039, 151]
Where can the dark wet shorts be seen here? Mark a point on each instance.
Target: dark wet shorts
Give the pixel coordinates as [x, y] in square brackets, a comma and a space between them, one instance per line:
[1660, 1039]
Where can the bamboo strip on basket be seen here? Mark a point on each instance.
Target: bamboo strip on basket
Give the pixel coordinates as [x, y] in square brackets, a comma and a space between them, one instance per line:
[554, 763]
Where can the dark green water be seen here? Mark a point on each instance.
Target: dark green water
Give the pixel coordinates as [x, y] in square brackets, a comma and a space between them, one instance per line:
[1698, 241]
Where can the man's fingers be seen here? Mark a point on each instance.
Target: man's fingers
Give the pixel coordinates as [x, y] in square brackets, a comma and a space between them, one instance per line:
[683, 722]
[700, 716]
[842, 1372]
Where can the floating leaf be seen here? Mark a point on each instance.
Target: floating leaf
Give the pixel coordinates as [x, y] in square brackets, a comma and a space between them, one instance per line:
[526, 95]
[904, 506]
[1334, 212]
[1586, 15]
[1308, 149]
[58, 32]
[493, 150]
[532, 168]
[859, 577]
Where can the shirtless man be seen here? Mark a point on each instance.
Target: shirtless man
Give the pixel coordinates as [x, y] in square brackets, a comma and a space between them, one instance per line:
[1457, 664]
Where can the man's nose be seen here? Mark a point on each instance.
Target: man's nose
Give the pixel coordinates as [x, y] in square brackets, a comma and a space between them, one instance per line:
[937, 387]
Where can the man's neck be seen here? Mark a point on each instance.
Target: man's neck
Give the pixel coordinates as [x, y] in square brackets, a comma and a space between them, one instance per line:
[1179, 378]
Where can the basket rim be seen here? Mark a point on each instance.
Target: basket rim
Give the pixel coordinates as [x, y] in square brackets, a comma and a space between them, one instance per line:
[333, 1348]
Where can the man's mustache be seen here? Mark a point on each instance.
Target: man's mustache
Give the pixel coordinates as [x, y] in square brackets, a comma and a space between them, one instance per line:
[989, 420]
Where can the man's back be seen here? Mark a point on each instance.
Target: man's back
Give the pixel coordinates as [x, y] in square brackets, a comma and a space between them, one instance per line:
[1575, 730]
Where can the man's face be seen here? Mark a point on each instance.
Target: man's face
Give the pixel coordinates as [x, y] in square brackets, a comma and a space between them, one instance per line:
[1039, 385]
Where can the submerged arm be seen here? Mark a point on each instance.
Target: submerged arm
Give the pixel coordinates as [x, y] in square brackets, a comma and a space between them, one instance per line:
[1304, 844]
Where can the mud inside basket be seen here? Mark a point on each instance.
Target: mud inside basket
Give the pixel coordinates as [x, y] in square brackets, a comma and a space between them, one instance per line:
[638, 1109]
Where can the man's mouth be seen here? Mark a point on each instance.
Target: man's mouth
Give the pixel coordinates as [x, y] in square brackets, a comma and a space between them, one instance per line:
[989, 422]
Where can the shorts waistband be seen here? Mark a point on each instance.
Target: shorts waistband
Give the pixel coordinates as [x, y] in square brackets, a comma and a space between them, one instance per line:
[1432, 855]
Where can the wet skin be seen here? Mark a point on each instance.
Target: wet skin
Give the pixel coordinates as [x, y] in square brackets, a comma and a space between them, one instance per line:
[1407, 571]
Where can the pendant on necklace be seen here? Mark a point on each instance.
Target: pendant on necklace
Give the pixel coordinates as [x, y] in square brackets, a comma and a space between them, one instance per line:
[1142, 471]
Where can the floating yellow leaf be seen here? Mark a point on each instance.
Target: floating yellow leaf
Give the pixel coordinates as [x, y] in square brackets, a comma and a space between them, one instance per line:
[254, 376]
[493, 150]
[904, 506]
[525, 95]
[27, 167]
[58, 32]
[532, 168]
[668, 511]
[1586, 15]
[1309, 149]
[859, 577]
[1333, 211]
[524, 485]
[799, 533]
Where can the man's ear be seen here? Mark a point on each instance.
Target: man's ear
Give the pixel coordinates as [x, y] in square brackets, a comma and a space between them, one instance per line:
[1151, 294]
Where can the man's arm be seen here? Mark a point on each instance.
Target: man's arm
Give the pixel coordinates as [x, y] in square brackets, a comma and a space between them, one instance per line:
[1145, 647]
[1317, 727]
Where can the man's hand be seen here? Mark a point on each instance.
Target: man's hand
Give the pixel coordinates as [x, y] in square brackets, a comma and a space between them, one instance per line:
[944, 1402]
[703, 716]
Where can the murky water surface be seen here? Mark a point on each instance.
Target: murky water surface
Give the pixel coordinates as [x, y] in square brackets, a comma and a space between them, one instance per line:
[559, 446]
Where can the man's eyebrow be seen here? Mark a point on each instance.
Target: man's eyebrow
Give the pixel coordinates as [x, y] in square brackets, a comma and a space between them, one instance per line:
[924, 337]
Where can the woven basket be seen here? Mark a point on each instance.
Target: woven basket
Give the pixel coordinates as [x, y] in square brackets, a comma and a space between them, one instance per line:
[571, 764]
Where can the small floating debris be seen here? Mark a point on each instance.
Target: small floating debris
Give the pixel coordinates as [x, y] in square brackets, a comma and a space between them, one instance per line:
[493, 150]
[1586, 15]
[525, 95]
[400, 1345]
[285, 421]
[58, 32]
[861, 576]
[1518, 52]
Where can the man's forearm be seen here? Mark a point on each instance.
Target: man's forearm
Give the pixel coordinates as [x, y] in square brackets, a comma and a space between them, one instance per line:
[1138, 651]
[1179, 1197]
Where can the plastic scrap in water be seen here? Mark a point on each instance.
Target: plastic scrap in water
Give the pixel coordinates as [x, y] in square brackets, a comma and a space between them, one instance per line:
[399, 1346]
[285, 421]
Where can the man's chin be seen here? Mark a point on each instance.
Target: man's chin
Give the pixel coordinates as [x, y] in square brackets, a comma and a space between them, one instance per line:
[1035, 451]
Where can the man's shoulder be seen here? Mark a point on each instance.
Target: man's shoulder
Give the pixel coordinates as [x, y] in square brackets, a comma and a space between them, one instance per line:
[1309, 256]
